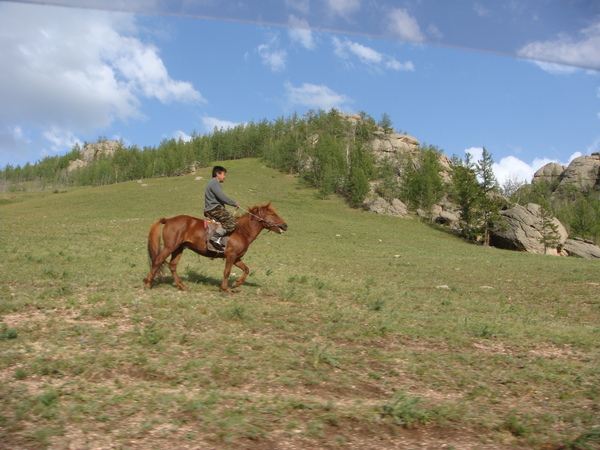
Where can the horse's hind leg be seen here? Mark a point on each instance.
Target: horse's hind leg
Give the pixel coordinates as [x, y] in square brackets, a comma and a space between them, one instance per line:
[156, 265]
[175, 257]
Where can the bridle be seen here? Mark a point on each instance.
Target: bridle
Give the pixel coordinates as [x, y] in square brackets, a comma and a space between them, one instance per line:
[261, 220]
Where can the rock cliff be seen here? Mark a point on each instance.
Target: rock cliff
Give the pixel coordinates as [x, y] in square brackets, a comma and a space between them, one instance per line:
[583, 173]
[92, 152]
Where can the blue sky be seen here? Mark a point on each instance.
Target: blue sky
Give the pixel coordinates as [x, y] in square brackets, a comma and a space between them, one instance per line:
[458, 75]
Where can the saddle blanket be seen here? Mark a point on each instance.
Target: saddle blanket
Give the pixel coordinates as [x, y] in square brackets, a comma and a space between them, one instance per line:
[211, 226]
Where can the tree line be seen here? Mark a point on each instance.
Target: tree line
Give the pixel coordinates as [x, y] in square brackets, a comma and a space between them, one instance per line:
[334, 155]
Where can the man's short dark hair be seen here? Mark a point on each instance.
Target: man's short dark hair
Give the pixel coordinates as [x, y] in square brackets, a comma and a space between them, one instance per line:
[218, 169]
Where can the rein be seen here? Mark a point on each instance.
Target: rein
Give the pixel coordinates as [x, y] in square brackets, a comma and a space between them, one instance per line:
[260, 219]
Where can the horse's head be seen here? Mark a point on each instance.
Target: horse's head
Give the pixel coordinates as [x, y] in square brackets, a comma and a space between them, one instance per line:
[269, 218]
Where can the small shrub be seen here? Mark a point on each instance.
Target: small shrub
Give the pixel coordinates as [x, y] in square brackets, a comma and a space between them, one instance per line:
[7, 333]
[405, 411]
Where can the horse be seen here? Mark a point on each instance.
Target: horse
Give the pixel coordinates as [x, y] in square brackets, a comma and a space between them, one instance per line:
[183, 232]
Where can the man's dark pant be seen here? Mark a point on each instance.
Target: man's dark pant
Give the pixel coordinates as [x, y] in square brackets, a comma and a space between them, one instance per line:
[228, 221]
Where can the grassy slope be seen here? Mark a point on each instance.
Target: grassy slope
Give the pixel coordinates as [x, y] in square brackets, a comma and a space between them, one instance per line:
[352, 329]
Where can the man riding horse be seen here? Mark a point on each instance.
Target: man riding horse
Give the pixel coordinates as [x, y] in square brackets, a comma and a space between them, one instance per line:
[214, 207]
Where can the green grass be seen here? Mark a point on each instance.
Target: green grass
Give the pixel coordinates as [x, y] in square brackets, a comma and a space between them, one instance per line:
[352, 329]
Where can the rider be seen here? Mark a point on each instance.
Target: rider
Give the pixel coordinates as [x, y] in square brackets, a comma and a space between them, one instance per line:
[214, 206]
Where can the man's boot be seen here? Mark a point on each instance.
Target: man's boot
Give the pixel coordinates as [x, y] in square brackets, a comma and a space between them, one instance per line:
[215, 240]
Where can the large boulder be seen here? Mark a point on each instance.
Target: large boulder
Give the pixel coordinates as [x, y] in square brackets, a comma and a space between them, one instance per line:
[388, 144]
[583, 172]
[96, 150]
[582, 248]
[550, 172]
[448, 218]
[379, 205]
[92, 152]
[524, 230]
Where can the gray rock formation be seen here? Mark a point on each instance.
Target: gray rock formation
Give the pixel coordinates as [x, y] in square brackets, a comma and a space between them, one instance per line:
[92, 152]
[448, 218]
[581, 248]
[379, 205]
[387, 144]
[583, 172]
[524, 231]
[549, 173]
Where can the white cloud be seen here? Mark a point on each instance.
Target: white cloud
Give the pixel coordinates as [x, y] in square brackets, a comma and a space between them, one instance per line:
[315, 96]
[512, 168]
[583, 51]
[515, 169]
[343, 8]
[397, 65]
[300, 32]
[60, 139]
[67, 71]
[365, 54]
[210, 123]
[145, 72]
[344, 49]
[403, 26]
[181, 136]
[271, 56]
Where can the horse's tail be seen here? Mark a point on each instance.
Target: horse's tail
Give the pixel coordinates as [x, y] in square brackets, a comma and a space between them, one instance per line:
[154, 244]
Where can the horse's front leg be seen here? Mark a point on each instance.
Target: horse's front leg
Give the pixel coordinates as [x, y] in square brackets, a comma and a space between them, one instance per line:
[229, 261]
[245, 273]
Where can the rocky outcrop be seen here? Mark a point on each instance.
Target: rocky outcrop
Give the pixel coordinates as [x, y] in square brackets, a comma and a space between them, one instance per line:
[92, 152]
[379, 205]
[389, 144]
[549, 173]
[582, 248]
[524, 230]
[448, 218]
[442, 214]
[583, 173]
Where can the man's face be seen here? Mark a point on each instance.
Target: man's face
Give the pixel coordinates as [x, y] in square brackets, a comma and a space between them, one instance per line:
[221, 176]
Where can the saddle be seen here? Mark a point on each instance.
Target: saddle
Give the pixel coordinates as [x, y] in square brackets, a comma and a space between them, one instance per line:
[210, 226]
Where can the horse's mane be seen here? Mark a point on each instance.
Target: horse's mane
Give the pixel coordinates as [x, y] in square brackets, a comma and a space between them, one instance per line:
[256, 209]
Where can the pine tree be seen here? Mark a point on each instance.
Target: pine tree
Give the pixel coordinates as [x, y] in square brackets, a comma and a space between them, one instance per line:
[488, 201]
[550, 234]
[422, 184]
[357, 187]
[466, 192]
[386, 123]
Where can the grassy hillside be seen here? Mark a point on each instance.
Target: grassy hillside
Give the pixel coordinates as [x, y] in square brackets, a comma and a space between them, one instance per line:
[353, 330]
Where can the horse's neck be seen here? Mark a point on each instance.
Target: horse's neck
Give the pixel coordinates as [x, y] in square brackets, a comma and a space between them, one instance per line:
[248, 228]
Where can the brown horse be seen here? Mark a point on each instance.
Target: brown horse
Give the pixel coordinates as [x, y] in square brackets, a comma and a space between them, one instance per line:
[183, 232]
